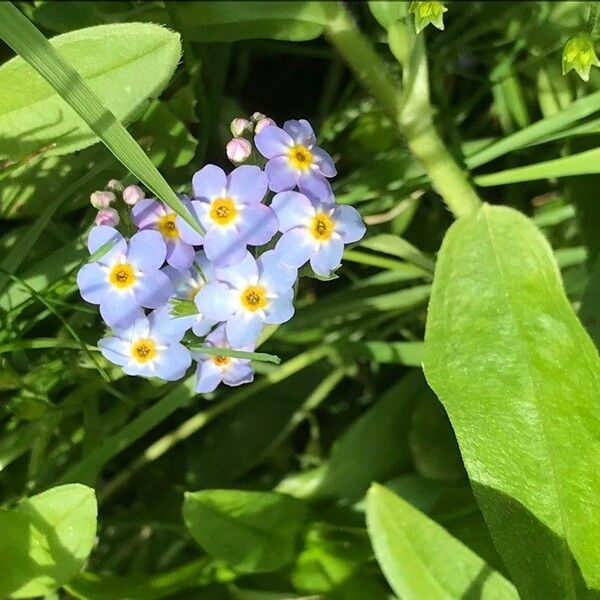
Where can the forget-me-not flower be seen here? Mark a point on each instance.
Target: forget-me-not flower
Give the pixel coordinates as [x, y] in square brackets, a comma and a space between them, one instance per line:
[150, 214]
[186, 285]
[145, 350]
[249, 295]
[126, 277]
[294, 159]
[230, 209]
[212, 370]
[314, 229]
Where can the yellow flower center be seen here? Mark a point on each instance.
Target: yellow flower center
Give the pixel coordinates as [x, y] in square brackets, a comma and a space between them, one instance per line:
[122, 276]
[223, 211]
[300, 157]
[143, 350]
[254, 297]
[321, 227]
[221, 361]
[168, 227]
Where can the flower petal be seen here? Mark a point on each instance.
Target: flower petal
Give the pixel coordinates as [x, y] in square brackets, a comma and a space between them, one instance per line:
[146, 213]
[208, 376]
[281, 175]
[153, 289]
[101, 235]
[238, 373]
[180, 254]
[147, 250]
[202, 325]
[247, 184]
[294, 248]
[292, 209]
[119, 310]
[280, 309]
[213, 301]
[209, 182]
[258, 225]
[115, 350]
[93, 283]
[328, 257]
[186, 232]
[173, 362]
[324, 162]
[224, 246]
[273, 141]
[316, 188]
[243, 328]
[167, 327]
[348, 223]
[301, 132]
[240, 275]
[273, 276]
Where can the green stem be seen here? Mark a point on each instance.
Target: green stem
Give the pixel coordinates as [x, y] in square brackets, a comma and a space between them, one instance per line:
[230, 352]
[410, 110]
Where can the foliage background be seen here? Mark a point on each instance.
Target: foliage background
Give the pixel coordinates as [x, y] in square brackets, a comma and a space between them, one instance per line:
[349, 405]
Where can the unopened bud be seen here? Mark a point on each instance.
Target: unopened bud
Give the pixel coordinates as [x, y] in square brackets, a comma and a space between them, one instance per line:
[133, 194]
[101, 199]
[114, 185]
[579, 54]
[238, 126]
[426, 13]
[265, 122]
[257, 116]
[238, 150]
[107, 216]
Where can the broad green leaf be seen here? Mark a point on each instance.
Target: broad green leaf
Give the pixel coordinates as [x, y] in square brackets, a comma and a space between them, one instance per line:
[23, 37]
[232, 21]
[589, 313]
[250, 531]
[375, 446]
[387, 13]
[45, 540]
[422, 560]
[520, 380]
[140, 63]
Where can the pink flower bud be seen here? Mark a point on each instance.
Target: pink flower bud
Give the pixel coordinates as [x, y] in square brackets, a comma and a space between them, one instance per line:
[102, 199]
[238, 150]
[266, 122]
[107, 216]
[132, 194]
[114, 185]
[257, 116]
[238, 126]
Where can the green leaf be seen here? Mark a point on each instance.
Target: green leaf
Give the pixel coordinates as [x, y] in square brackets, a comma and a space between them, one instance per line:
[583, 163]
[232, 21]
[375, 446]
[45, 540]
[520, 380]
[250, 531]
[422, 560]
[21, 35]
[140, 63]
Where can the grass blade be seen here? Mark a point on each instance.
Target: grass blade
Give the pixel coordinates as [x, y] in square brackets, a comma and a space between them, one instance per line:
[27, 41]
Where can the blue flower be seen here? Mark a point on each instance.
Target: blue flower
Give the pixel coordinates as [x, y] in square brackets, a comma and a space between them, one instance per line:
[294, 158]
[126, 277]
[212, 370]
[249, 295]
[186, 285]
[142, 349]
[150, 214]
[231, 211]
[314, 229]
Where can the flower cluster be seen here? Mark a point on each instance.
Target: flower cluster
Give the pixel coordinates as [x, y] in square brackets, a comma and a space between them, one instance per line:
[172, 295]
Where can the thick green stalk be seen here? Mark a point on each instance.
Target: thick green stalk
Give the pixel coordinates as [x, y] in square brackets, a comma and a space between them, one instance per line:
[411, 110]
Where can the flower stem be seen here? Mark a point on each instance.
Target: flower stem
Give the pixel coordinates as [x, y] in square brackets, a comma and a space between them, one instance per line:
[410, 109]
[216, 351]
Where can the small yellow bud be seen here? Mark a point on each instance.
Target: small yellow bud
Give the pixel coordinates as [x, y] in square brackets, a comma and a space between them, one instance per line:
[579, 54]
[428, 12]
